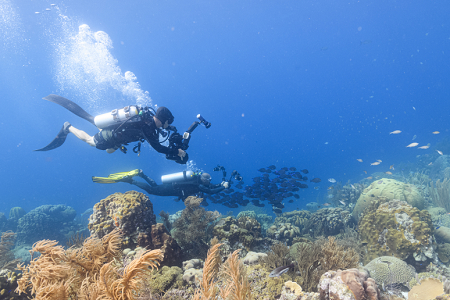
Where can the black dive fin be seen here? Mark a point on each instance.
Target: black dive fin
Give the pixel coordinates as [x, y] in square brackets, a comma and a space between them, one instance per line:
[73, 107]
[57, 141]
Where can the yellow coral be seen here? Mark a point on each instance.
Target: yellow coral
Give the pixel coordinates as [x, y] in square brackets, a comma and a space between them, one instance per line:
[293, 286]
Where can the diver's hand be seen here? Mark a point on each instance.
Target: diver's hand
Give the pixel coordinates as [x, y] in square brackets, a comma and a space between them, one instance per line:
[181, 153]
[225, 184]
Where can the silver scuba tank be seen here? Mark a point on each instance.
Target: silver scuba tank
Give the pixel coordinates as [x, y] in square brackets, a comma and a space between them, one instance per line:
[116, 117]
[180, 177]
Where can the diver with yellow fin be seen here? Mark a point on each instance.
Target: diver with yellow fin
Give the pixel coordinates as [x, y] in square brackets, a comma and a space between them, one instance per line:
[132, 123]
[181, 184]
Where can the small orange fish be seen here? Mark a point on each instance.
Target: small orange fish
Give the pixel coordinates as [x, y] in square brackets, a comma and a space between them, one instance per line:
[440, 152]
[365, 172]
[116, 223]
[435, 132]
[412, 145]
[391, 167]
[389, 173]
[395, 132]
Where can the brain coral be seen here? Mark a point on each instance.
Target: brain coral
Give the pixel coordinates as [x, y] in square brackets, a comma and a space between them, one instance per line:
[387, 270]
[132, 212]
[398, 229]
[392, 190]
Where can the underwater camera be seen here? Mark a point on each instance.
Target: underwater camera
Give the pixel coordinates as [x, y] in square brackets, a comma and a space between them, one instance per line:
[234, 174]
[178, 141]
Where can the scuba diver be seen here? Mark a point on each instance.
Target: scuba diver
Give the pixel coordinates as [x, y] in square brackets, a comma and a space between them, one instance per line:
[181, 185]
[133, 123]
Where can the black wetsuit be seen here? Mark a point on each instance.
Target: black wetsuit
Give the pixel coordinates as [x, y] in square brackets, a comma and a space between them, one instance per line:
[131, 132]
[180, 190]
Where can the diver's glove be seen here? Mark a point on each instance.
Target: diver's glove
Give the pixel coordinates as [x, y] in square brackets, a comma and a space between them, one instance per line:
[225, 184]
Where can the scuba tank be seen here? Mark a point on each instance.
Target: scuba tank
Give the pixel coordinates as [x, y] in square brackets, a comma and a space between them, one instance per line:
[180, 177]
[117, 116]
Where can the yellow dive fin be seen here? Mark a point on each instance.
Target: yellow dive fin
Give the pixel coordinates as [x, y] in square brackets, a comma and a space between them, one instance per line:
[117, 177]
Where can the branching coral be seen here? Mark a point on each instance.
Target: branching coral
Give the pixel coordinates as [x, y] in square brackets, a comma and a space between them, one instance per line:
[93, 271]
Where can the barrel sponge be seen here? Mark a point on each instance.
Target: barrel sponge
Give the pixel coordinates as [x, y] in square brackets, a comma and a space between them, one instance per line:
[388, 270]
[392, 190]
[396, 229]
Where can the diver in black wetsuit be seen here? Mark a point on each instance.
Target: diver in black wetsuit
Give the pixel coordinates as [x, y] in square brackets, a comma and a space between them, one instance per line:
[118, 128]
[181, 185]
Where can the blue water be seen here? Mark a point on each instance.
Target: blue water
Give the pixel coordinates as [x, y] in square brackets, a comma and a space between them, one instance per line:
[310, 84]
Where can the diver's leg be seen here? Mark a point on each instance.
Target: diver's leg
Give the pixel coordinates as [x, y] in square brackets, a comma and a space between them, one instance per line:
[150, 181]
[143, 186]
[82, 136]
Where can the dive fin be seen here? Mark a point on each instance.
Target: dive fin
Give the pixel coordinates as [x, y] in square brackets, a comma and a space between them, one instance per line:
[117, 177]
[71, 106]
[57, 141]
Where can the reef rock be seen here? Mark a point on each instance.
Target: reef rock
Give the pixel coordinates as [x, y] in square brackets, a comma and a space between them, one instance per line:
[132, 212]
[392, 190]
[398, 229]
[51, 222]
[351, 284]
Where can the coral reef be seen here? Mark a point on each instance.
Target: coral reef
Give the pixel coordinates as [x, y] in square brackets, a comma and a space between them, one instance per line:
[3, 221]
[284, 232]
[166, 278]
[427, 289]
[131, 212]
[279, 255]
[442, 234]
[244, 232]
[191, 229]
[252, 258]
[398, 229]
[16, 213]
[298, 218]
[328, 221]
[440, 193]
[314, 259]
[7, 259]
[389, 270]
[162, 240]
[46, 221]
[351, 284]
[391, 189]
[93, 271]
[443, 251]
[8, 285]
